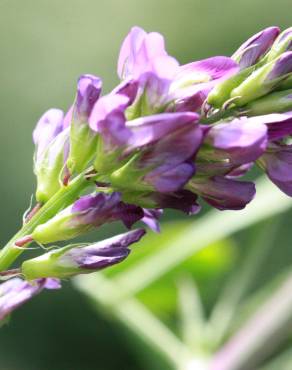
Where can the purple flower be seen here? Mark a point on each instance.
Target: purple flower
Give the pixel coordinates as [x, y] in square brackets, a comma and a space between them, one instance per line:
[100, 208]
[166, 144]
[239, 141]
[52, 148]
[80, 156]
[101, 254]
[143, 58]
[15, 292]
[195, 81]
[277, 162]
[256, 47]
[48, 127]
[224, 193]
[88, 91]
[88, 212]
[73, 260]
[142, 53]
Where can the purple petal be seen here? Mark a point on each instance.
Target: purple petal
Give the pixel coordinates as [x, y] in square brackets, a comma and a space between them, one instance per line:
[128, 88]
[279, 125]
[282, 66]
[108, 118]
[209, 69]
[15, 292]
[142, 52]
[192, 96]
[88, 92]
[96, 201]
[241, 139]
[151, 218]
[52, 284]
[150, 129]
[277, 162]
[129, 214]
[129, 48]
[102, 254]
[48, 127]
[256, 47]
[100, 208]
[174, 147]
[285, 35]
[171, 180]
[223, 193]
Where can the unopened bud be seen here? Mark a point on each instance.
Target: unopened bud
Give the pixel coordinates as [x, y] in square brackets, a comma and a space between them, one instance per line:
[263, 80]
[83, 259]
[83, 140]
[256, 47]
[282, 44]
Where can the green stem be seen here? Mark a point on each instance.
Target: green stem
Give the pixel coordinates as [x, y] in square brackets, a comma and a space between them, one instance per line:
[220, 115]
[64, 197]
[227, 307]
[136, 317]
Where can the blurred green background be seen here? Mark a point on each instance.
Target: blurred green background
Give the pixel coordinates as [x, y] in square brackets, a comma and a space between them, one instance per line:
[45, 45]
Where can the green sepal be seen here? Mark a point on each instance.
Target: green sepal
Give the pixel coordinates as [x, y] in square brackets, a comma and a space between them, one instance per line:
[60, 227]
[50, 265]
[130, 176]
[83, 147]
[277, 102]
[222, 92]
[256, 85]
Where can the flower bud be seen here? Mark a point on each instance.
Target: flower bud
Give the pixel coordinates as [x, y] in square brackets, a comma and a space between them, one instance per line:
[282, 44]
[277, 163]
[276, 102]
[166, 143]
[73, 260]
[222, 91]
[83, 140]
[87, 213]
[223, 193]
[256, 47]
[52, 142]
[263, 80]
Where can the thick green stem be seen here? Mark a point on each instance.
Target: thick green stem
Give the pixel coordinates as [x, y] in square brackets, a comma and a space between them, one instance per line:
[64, 197]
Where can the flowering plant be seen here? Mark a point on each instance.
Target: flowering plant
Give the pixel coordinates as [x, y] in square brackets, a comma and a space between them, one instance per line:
[168, 136]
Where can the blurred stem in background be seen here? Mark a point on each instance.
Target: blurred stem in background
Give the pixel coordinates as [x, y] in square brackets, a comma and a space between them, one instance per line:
[238, 284]
[117, 294]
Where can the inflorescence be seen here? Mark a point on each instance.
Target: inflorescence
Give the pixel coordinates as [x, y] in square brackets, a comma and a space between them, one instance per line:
[168, 136]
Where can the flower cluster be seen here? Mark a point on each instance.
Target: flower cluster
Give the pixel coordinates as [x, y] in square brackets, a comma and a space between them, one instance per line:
[168, 136]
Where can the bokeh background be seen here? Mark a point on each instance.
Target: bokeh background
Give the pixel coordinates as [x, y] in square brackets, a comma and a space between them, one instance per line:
[44, 46]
